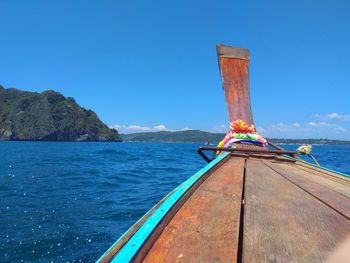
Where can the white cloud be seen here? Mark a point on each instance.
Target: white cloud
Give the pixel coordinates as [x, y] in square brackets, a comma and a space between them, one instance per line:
[318, 124]
[261, 130]
[312, 129]
[138, 128]
[333, 116]
[221, 128]
[160, 127]
[326, 125]
[282, 127]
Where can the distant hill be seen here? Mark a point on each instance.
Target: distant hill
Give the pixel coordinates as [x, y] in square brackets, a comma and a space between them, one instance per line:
[175, 136]
[203, 137]
[49, 116]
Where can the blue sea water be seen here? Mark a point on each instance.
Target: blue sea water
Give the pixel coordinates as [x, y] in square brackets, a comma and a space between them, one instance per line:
[68, 202]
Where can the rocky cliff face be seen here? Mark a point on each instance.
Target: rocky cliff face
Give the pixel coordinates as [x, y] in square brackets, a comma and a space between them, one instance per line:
[49, 116]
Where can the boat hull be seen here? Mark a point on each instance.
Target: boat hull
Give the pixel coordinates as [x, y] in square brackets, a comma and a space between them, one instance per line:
[249, 204]
[256, 208]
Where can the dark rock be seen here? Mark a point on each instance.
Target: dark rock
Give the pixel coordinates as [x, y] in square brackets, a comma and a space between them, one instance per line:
[49, 116]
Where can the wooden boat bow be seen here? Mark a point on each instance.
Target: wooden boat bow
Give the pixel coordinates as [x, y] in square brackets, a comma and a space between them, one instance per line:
[234, 71]
[249, 204]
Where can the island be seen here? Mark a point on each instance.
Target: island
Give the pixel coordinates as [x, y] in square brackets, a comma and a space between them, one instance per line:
[49, 116]
[211, 138]
[174, 136]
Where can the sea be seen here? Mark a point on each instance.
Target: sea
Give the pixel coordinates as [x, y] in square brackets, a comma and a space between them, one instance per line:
[69, 202]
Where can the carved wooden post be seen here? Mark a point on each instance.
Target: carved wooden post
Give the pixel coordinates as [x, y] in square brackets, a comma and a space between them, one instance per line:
[234, 70]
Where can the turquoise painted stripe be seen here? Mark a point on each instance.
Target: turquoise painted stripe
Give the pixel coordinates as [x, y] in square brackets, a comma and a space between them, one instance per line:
[122, 236]
[324, 168]
[130, 249]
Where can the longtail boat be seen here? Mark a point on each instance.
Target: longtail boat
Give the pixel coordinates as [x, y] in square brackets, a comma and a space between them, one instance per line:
[250, 203]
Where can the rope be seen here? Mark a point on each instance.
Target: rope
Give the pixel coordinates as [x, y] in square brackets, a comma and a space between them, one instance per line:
[306, 150]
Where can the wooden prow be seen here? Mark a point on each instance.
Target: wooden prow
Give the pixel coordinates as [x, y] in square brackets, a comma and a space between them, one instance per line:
[234, 70]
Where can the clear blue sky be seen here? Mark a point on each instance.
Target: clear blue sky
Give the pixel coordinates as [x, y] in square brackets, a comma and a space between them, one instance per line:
[153, 63]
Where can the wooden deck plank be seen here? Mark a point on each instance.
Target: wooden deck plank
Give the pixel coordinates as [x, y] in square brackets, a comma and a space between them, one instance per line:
[206, 228]
[328, 181]
[325, 194]
[283, 223]
[342, 178]
[323, 173]
[139, 243]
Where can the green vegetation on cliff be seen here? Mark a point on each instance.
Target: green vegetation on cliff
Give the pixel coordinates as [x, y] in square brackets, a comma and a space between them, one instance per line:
[49, 116]
[174, 136]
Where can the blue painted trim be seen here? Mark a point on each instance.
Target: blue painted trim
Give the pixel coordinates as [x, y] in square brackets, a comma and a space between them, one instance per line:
[122, 236]
[130, 249]
[314, 165]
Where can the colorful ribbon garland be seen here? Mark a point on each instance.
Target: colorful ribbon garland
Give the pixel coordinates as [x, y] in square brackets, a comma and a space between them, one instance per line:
[240, 132]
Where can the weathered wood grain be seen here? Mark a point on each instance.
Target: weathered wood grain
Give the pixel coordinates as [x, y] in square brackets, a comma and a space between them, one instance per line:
[324, 173]
[123, 249]
[142, 252]
[234, 72]
[249, 147]
[344, 179]
[337, 201]
[330, 182]
[283, 223]
[206, 228]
